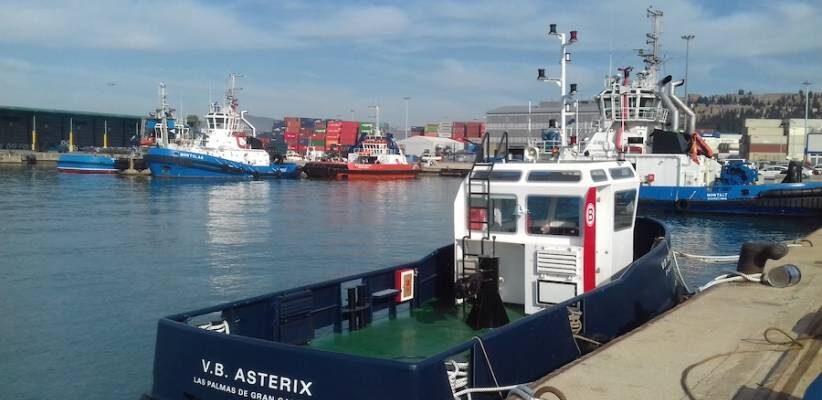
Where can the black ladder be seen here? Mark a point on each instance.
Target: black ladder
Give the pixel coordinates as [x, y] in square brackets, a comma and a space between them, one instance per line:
[481, 173]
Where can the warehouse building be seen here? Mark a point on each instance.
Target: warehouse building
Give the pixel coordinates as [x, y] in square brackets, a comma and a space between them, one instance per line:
[779, 139]
[43, 129]
[419, 145]
[515, 119]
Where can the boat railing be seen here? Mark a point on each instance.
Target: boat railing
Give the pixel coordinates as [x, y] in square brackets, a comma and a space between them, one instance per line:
[636, 114]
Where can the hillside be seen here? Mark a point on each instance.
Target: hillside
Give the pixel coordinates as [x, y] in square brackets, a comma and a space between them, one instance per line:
[727, 112]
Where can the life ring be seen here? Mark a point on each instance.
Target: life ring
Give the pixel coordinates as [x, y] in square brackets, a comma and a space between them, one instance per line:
[682, 205]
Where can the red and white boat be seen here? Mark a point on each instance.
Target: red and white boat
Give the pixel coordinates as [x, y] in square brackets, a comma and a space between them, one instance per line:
[375, 156]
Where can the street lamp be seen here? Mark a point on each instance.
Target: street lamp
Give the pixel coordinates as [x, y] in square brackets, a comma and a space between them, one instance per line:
[687, 38]
[352, 114]
[807, 86]
[406, 98]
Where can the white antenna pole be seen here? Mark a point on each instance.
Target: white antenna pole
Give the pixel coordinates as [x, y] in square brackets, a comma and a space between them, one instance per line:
[529, 119]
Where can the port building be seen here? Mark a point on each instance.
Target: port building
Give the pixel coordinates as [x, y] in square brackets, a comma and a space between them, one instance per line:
[41, 129]
[779, 139]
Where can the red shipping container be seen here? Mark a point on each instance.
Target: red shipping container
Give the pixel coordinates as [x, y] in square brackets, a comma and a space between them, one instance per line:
[333, 128]
[317, 137]
[291, 136]
[348, 132]
[458, 130]
[474, 129]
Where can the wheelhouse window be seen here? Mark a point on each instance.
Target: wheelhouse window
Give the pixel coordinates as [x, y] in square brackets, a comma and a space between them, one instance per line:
[621, 173]
[553, 215]
[598, 175]
[624, 205]
[503, 213]
[554, 176]
[505, 176]
[219, 123]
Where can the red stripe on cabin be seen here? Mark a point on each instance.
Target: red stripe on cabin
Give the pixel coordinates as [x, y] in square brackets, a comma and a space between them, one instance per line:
[589, 249]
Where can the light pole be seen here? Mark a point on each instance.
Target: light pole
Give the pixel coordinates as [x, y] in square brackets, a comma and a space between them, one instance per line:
[807, 86]
[687, 39]
[352, 114]
[406, 98]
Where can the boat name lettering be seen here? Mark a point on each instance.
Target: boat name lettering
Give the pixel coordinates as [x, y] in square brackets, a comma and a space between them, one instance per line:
[718, 196]
[249, 377]
[191, 155]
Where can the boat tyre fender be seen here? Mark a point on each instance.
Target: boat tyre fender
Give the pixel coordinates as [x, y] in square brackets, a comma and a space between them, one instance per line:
[682, 205]
[549, 389]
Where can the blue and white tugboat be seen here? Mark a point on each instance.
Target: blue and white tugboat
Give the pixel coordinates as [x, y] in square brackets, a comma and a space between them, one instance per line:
[548, 261]
[640, 123]
[225, 150]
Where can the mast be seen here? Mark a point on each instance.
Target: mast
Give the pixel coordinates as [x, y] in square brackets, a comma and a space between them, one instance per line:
[565, 58]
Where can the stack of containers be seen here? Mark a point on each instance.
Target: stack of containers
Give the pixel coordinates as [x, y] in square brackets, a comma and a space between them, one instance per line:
[305, 138]
[292, 132]
[318, 137]
[431, 130]
[458, 130]
[417, 130]
[474, 129]
[348, 132]
[332, 135]
[444, 129]
[366, 128]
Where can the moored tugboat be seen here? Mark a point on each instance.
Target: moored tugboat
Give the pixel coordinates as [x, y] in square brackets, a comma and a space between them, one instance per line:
[374, 156]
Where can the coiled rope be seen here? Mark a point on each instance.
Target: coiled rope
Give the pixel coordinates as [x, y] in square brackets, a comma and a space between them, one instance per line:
[219, 327]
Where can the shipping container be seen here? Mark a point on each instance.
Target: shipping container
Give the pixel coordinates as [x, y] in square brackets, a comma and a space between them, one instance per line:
[333, 127]
[431, 128]
[474, 129]
[307, 122]
[292, 124]
[291, 136]
[348, 132]
[318, 143]
[366, 128]
[319, 124]
[458, 130]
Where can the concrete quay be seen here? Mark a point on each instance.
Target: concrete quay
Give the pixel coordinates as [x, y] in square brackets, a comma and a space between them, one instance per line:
[724, 343]
[27, 156]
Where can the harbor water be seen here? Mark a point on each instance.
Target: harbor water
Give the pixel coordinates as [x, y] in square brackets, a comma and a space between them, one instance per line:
[89, 263]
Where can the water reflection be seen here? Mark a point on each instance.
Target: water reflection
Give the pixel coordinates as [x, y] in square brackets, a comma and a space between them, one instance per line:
[235, 221]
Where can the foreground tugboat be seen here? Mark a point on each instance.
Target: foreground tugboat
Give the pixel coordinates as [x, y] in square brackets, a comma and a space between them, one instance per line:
[547, 258]
[375, 156]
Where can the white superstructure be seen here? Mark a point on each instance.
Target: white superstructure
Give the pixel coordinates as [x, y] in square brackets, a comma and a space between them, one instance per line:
[225, 134]
[559, 229]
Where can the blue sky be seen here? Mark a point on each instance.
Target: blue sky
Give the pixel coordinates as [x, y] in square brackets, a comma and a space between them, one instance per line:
[454, 59]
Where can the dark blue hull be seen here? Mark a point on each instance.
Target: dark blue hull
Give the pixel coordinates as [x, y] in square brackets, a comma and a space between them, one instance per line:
[264, 356]
[170, 163]
[801, 199]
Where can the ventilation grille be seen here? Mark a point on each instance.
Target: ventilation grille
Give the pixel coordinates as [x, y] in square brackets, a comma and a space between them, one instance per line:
[558, 261]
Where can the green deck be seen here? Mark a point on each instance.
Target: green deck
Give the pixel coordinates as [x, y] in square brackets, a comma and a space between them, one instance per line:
[427, 331]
